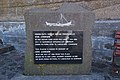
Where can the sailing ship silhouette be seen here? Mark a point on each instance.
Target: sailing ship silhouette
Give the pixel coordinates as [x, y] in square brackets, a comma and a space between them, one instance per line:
[61, 22]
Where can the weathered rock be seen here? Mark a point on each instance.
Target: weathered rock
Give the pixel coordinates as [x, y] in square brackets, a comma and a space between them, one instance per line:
[6, 48]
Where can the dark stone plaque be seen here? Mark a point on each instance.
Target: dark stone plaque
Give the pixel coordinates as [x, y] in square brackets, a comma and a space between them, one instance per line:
[58, 47]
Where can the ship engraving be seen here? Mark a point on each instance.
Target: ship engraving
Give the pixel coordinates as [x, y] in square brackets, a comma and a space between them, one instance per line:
[62, 22]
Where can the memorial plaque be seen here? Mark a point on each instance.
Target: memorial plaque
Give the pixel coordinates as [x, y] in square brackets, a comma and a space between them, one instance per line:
[58, 41]
[58, 47]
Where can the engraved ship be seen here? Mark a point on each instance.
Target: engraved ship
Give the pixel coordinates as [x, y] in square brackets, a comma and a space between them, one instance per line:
[61, 22]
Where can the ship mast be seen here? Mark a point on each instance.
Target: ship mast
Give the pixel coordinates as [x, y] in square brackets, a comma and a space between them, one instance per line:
[62, 18]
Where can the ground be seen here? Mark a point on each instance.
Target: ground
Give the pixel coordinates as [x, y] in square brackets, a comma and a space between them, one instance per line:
[11, 64]
[11, 68]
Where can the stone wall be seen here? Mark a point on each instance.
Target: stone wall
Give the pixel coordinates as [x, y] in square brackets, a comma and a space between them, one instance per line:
[14, 9]
[112, 12]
